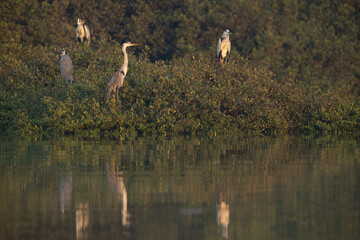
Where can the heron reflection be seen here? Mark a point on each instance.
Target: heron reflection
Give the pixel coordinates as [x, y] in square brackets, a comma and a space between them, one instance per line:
[223, 215]
[117, 187]
[65, 192]
[82, 219]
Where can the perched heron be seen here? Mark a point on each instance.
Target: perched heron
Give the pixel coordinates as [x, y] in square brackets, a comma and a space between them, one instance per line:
[223, 47]
[66, 67]
[82, 32]
[117, 80]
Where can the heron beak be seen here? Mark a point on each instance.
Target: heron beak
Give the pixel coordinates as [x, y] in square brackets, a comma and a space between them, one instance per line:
[134, 44]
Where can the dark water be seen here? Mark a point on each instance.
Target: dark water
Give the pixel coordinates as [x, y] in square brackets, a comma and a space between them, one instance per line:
[252, 188]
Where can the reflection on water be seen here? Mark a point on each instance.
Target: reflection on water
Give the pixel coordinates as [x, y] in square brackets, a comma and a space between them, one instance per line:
[117, 186]
[223, 215]
[65, 192]
[276, 188]
[82, 220]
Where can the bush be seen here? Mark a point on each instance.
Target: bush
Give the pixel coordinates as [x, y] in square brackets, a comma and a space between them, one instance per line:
[187, 96]
[317, 42]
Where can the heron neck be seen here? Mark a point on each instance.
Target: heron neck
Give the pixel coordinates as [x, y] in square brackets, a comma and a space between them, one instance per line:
[125, 58]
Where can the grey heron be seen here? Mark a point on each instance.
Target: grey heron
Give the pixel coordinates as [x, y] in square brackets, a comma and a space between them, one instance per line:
[117, 80]
[82, 32]
[223, 47]
[66, 67]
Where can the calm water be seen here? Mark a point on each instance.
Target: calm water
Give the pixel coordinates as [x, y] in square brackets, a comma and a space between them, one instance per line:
[252, 188]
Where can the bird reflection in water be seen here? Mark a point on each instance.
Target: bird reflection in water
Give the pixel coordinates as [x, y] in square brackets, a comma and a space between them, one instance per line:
[222, 215]
[117, 187]
[82, 219]
[65, 191]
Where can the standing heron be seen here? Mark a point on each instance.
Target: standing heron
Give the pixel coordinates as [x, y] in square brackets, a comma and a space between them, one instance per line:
[82, 32]
[223, 47]
[66, 67]
[117, 80]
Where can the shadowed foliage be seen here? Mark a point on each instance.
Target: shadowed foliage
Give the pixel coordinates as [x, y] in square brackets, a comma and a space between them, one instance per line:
[294, 66]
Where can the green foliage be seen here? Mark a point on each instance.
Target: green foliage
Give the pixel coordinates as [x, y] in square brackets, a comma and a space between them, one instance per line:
[316, 42]
[188, 96]
[304, 55]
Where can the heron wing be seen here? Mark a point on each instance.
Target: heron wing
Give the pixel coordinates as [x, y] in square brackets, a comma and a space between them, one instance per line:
[87, 31]
[117, 79]
[218, 48]
[67, 64]
[80, 31]
[229, 47]
[66, 67]
[114, 84]
[225, 47]
[77, 33]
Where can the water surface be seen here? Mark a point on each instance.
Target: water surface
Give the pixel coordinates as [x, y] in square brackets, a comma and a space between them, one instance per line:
[237, 188]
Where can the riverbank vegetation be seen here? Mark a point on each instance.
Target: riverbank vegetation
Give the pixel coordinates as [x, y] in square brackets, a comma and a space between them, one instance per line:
[294, 67]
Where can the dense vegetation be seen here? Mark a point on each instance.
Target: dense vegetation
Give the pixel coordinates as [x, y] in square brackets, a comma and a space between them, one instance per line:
[294, 66]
